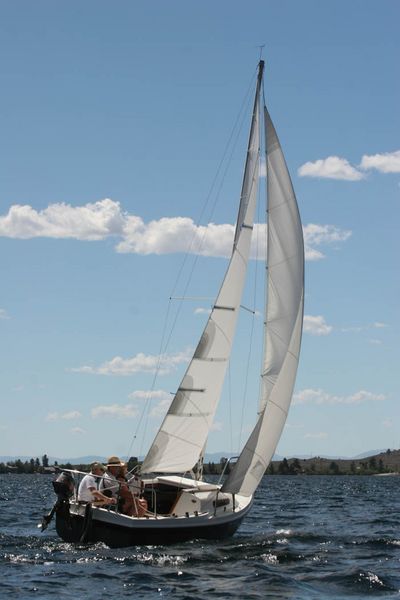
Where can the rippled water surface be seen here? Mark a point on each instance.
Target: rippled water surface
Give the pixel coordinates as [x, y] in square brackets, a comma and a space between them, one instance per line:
[306, 538]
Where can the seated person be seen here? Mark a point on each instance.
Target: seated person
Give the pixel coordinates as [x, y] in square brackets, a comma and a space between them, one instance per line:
[109, 485]
[139, 505]
[114, 484]
[88, 487]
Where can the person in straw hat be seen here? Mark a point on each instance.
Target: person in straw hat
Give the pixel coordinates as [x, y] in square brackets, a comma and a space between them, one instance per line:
[114, 484]
[109, 485]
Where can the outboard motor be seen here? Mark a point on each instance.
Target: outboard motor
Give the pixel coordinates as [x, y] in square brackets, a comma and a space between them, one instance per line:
[64, 486]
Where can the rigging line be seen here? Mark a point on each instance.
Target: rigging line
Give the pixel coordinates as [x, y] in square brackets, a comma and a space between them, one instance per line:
[164, 344]
[201, 245]
[230, 409]
[149, 396]
[240, 115]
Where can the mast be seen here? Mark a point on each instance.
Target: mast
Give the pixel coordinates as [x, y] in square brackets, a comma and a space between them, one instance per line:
[184, 431]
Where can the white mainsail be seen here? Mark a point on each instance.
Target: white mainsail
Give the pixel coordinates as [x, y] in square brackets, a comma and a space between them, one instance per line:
[184, 431]
[284, 320]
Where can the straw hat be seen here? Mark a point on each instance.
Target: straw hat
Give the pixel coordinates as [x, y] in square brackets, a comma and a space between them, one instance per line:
[114, 461]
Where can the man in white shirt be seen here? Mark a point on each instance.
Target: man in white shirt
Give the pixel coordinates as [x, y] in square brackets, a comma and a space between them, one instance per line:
[88, 488]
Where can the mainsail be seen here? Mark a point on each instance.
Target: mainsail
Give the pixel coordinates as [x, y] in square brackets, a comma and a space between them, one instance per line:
[184, 431]
[284, 320]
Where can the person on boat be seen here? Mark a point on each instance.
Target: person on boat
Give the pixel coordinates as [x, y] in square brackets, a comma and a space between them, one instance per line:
[88, 488]
[109, 484]
[114, 484]
[132, 505]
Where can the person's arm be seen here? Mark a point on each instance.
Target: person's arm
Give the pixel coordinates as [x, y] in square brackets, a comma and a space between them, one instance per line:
[101, 497]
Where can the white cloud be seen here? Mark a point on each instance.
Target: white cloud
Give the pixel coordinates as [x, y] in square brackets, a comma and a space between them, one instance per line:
[388, 162]
[4, 314]
[332, 167]
[77, 431]
[387, 423]
[360, 328]
[116, 411]
[317, 436]
[141, 363]
[316, 325]
[68, 416]
[164, 400]
[202, 311]
[318, 235]
[105, 218]
[375, 342]
[147, 394]
[318, 396]
[160, 409]
[93, 221]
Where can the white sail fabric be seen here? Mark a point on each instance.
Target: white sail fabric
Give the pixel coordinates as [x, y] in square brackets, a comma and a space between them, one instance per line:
[184, 431]
[284, 321]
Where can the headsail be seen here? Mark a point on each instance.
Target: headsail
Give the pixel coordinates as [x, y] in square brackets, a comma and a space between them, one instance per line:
[184, 431]
[284, 320]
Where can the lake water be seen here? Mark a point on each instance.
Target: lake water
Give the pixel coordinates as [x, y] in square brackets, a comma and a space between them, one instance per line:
[306, 538]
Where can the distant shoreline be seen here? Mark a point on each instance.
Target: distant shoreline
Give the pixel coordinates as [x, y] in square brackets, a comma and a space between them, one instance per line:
[383, 464]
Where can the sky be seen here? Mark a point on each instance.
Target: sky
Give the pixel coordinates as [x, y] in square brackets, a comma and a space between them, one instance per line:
[114, 118]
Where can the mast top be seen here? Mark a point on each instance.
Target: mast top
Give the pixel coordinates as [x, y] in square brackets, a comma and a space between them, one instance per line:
[260, 69]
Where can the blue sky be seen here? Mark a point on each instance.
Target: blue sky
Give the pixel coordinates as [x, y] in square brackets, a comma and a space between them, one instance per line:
[114, 117]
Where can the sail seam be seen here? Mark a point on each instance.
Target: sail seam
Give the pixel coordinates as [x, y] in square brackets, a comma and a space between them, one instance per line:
[285, 259]
[270, 401]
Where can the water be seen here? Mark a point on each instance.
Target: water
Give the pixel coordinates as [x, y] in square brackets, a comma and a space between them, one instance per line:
[306, 538]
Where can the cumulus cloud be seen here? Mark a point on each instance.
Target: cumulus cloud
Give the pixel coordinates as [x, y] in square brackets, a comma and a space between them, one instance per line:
[116, 411]
[105, 218]
[68, 416]
[141, 363]
[319, 235]
[332, 167]
[316, 325]
[4, 314]
[335, 167]
[94, 221]
[388, 162]
[318, 396]
[162, 397]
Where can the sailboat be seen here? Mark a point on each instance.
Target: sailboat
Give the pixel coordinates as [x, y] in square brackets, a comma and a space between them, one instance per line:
[181, 507]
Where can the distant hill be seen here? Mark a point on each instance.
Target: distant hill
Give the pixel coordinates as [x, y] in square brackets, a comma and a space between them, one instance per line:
[382, 463]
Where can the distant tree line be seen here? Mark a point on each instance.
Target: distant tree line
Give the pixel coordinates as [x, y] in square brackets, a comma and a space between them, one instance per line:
[387, 462]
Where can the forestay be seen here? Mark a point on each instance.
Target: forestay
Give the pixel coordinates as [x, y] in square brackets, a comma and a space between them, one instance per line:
[184, 431]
